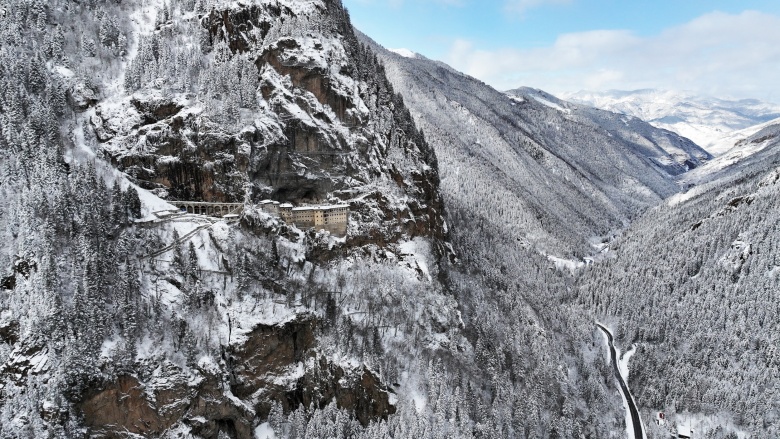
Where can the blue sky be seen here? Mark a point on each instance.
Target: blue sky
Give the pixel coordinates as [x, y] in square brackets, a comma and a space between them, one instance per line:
[717, 47]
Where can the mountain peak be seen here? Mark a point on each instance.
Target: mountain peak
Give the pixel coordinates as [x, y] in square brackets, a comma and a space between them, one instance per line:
[406, 53]
[703, 119]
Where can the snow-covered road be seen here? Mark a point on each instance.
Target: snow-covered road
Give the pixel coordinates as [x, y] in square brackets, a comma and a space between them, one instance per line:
[634, 430]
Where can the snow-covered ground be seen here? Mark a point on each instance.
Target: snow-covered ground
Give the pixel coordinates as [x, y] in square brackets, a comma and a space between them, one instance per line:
[728, 143]
[264, 431]
[705, 120]
[550, 104]
[734, 156]
[699, 425]
[566, 264]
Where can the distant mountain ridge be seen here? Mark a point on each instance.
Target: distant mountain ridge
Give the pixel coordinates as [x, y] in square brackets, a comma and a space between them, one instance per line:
[705, 120]
[569, 173]
[675, 153]
[754, 147]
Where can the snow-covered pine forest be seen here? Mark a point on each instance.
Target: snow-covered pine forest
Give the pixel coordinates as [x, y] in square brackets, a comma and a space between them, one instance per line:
[695, 286]
[92, 310]
[650, 276]
[457, 305]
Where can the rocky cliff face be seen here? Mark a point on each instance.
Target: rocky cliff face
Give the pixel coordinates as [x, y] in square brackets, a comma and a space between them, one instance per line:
[230, 103]
[315, 119]
[260, 371]
[184, 326]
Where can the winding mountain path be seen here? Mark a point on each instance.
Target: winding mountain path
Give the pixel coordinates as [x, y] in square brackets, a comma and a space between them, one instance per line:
[635, 420]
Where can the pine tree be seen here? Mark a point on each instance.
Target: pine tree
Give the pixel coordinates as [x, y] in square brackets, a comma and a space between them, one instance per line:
[132, 203]
[108, 31]
[178, 262]
[36, 80]
[193, 266]
[118, 210]
[276, 418]
[88, 47]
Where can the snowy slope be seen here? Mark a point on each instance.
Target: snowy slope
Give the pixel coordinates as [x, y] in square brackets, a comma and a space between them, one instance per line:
[733, 140]
[747, 150]
[704, 120]
[692, 280]
[560, 175]
[405, 53]
[676, 154]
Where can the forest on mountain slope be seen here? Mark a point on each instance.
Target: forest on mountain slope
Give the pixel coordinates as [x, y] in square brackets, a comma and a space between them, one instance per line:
[438, 315]
[559, 180]
[86, 314]
[693, 282]
[695, 285]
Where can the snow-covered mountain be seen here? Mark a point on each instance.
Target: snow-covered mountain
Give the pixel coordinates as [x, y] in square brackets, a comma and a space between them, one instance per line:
[744, 150]
[569, 173]
[675, 153]
[691, 281]
[485, 234]
[732, 141]
[705, 120]
[505, 163]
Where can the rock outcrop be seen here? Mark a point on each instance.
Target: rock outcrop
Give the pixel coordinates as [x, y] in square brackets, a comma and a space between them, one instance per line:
[264, 369]
[139, 321]
[325, 126]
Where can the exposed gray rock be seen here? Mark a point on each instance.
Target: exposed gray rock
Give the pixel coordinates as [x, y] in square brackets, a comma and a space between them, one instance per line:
[82, 96]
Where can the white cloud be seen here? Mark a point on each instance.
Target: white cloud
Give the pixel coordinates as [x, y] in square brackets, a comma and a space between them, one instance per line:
[737, 55]
[519, 7]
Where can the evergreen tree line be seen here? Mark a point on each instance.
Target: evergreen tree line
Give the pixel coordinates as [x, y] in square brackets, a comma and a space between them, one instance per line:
[695, 286]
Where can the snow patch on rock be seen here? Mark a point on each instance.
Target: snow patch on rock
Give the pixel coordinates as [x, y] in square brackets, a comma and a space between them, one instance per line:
[406, 53]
